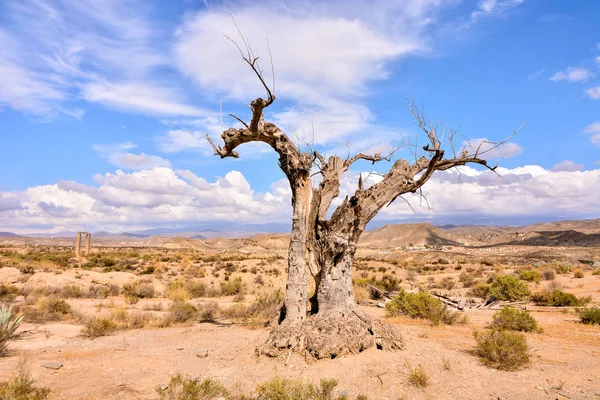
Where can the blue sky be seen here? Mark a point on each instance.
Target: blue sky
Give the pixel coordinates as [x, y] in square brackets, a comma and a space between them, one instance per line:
[104, 105]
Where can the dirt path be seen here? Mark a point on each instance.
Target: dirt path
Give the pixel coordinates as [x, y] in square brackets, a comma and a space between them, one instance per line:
[128, 365]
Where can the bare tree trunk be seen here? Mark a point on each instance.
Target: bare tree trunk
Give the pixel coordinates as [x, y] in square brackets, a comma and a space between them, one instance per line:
[294, 308]
[334, 292]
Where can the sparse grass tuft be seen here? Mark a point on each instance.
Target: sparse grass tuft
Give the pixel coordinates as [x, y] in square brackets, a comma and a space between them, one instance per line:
[421, 305]
[500, 349]
[512, 319]
[186, 388]
[21, 386]
[417, 376]
[578, 273]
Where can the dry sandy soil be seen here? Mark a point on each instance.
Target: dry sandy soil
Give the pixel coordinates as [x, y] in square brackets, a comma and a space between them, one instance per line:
[129, 364]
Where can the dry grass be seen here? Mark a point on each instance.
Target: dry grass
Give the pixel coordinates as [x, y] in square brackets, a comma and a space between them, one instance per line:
[417, 376]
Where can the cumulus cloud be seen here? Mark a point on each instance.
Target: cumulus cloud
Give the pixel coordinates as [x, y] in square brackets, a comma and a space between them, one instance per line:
[123, 201]
[568, 166]
[593, 92]
[573, 74]
[138, 199]
[117, 155]
[594, 130]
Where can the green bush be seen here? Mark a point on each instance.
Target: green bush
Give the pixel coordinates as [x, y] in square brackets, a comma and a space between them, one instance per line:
[558, 298]
[589, 316]
[508, 288]
[512, 319]
[502, 349]
[530, 275]
[421, 305]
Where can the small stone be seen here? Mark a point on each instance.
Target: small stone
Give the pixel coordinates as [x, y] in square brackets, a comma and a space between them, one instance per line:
[163, 386]
[202, 354]
[179, 348]
[52, 365]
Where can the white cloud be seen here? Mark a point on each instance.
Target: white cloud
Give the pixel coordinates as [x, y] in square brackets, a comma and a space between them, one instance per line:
[161, 196]
[126, 201]
[593, 92]
[138, 97]
[525, 191]
[487, 8]
[536, 74]
[573, 74]
[594, 130]
[324, 55]
[117, 155]
[181, 140]
[96, 50]
[488, 150]
[568, 166]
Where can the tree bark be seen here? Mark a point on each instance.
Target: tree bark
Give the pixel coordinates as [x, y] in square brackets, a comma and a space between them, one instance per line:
[294, 308]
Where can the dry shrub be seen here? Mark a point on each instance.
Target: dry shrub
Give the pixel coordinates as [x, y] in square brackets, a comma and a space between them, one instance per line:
[421, 305]
[467, 279]
[182, 312]
[561, 267]
[232, 287]
[590, 316]
[500, 349]
[97, 327]
[47, 309]
[208, 312]
[290, 389]
[480, 290]
[139, 289]
[512, 319]
[186, 388]
[417, 376]
[578, 273]
[21, 386]
[8, 292]
[549, 274]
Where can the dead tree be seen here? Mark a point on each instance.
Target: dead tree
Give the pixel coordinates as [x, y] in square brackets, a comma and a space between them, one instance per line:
[332, 325]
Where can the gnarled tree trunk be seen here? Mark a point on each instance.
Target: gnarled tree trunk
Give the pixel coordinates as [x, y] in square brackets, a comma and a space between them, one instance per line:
[326, 246]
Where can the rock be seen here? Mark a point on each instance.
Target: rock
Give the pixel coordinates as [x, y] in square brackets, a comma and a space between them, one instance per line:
[52, 365]
[202, 354]
[179, 348]
[163, 386]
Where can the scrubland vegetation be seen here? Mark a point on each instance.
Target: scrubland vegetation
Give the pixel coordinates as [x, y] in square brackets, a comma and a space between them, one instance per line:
[115, 290]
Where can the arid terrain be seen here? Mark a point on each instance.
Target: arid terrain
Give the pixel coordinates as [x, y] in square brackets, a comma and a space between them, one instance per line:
[120, 322]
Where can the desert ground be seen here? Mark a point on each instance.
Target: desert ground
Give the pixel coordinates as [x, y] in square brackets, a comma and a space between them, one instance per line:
[119, 322]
